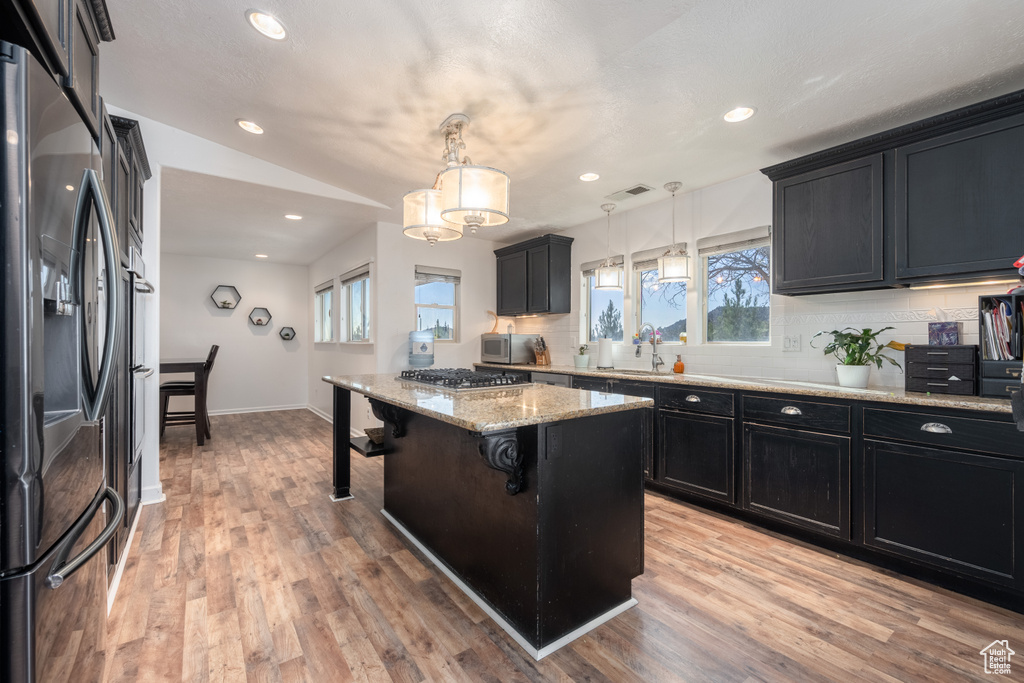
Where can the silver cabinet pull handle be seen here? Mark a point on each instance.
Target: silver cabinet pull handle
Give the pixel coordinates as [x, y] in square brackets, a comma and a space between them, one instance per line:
[937, 353]
[938, 384]
[792, 410]
[693, 398]
[936, 428]
[940, 369]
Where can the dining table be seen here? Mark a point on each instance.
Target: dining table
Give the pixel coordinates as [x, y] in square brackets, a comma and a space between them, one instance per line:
[197, 367]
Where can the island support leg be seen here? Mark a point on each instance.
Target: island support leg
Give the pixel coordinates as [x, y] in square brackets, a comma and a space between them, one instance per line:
[342, 441]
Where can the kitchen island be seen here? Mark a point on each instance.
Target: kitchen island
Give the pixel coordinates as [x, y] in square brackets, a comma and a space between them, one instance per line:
[530, 498]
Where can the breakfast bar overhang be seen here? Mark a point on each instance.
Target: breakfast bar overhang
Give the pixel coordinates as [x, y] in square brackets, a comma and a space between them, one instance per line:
[529, 498]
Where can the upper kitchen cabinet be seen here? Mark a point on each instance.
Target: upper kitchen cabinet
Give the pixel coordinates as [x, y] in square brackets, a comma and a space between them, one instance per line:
[83, 82]
[534, 276]
[937, 201]
[830, 227]
[959, 205]
[132, 173]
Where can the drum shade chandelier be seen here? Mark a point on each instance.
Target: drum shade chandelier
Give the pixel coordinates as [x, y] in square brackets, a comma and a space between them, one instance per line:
[674, 264]
[608, 275]
[463, 194]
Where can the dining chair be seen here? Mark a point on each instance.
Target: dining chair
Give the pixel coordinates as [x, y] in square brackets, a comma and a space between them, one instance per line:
[187, 388]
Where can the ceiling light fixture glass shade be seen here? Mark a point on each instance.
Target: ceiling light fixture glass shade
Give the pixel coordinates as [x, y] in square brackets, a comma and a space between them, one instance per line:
[422, 218]
[609, 274]
[266, 24]
[674, 264]
[476, 196]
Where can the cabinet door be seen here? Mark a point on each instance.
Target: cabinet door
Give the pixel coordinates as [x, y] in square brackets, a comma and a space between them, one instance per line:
[946, 508]
[122, 196]
[798, 477]
[537, 292]
[828, 228]
[959, 205]
[83, 82]
[137, 181]
[51, 25]
[512, 284]
[696, 454]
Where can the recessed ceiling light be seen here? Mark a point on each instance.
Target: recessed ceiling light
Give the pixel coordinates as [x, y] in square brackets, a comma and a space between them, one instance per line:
[260, 255]
[249, 127]
[69, 188]
[293, 216]
[589, 177]
[266, 24]
[739, 114]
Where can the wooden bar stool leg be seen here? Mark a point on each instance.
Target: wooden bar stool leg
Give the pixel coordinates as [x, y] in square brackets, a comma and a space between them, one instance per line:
[163, 412]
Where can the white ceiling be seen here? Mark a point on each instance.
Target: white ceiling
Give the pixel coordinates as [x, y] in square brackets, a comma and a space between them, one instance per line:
[632, 90]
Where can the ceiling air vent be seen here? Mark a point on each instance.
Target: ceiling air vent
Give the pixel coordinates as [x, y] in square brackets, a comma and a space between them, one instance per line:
[629, 192]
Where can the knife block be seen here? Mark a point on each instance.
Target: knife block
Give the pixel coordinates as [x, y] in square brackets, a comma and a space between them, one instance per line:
[543, 357]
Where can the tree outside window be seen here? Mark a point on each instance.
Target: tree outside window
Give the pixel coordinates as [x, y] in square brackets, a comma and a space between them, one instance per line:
[605, 313]
[738, 295]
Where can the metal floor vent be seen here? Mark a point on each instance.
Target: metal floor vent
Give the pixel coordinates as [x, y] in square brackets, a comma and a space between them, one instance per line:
[629, 192]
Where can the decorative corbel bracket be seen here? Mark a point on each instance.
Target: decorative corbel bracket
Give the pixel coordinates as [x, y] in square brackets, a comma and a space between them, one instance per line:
[500, 450]
[391, 414]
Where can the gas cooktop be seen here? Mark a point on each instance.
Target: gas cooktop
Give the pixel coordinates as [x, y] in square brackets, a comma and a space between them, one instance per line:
[457, 379]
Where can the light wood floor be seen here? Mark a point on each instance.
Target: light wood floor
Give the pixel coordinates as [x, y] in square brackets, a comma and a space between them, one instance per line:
[248, 571]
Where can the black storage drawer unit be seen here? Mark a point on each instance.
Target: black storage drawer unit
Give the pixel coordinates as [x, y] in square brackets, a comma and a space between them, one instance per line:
[828, 416]
[999, 388]
[958, 387]
[696, 400]
[940, 370]
[1007, 370]
[937, 356]
[953, 510]
[944, 431]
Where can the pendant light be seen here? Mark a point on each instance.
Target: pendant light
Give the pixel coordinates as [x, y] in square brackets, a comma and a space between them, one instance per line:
[609, 274]
[422, 218]
[674, 264]
[471, 195]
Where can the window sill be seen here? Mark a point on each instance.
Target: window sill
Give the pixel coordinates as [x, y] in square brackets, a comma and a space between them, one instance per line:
[368, 342]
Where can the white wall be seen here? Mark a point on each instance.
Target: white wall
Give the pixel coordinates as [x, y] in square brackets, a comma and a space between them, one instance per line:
[739, 204]
[255, 369]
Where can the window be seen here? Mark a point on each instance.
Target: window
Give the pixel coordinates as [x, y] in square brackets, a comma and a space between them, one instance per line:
[323, 319]
[437, 302]
[603, 310]
[737, 292]
[662, 304]
[357, 303]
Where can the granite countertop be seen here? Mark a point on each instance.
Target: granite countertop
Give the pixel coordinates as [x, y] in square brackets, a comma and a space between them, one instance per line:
[489, 410]
[880, 394]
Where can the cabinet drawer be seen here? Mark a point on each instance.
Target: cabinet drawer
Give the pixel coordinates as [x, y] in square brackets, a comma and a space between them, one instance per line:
[941, 370]
[696, 400]
[941, 386]
[941, 354]
[589, 384]
[641, 389]
[798, 413]
[1001, 369]
[1001, 438]
[999, 388]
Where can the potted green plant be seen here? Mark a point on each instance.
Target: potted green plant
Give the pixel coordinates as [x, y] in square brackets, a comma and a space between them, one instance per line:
[857, 350]
[582, 359]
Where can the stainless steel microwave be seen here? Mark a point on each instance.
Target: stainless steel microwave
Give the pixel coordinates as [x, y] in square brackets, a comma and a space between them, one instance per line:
[514, 349]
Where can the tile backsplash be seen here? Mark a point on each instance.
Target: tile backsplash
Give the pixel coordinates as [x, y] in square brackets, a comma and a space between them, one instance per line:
[907, 311]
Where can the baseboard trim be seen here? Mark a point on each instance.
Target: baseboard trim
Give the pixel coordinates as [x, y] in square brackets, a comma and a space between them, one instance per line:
[258, 409]
[317, 411]
[152, 495]
[537, 654]
[119, 570]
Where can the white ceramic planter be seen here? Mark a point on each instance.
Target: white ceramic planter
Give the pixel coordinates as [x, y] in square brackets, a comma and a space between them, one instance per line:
[581, 361]
[854, 376]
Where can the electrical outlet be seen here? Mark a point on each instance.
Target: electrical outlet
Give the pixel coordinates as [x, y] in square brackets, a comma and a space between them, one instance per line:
[574, 341]
[791, 343]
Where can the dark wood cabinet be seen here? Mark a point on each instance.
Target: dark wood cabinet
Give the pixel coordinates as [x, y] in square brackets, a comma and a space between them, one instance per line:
[590, 383]
[798, 477]
[41, 24]
[83, 80]
[829, 227]
[512, 296]
[696, 454]
[130, 177]
[959, 208]
[947, 508]
[534, 276]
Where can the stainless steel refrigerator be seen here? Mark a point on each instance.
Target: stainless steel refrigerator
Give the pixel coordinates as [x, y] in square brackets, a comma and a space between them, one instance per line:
[59, 304]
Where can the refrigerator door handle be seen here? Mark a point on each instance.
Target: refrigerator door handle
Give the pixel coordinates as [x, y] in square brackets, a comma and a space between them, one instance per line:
[144, 286]
[92, 188]
[149, 371]
[66, 569]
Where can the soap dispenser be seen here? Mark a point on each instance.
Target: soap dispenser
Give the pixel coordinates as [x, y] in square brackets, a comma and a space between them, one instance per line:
[678, 367]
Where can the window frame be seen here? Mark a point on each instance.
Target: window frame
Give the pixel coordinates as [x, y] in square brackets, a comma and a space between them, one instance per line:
[586, 324]
[319, 309]
[455, 307]
[705, 289]
[366, 307]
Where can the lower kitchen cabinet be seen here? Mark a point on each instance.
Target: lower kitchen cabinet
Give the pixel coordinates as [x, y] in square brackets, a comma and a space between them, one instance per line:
[947, 508]
[798, 477]
[589, 383]
[696, 454]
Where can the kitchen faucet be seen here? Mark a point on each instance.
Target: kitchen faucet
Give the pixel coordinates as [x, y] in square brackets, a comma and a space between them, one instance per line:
[655, 358]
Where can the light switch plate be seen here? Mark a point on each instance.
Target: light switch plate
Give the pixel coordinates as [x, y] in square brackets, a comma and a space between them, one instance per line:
[791, 343]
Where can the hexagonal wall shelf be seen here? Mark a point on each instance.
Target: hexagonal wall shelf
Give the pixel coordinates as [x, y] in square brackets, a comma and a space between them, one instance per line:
[287, 333]
[260, 316]
[225, 296]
